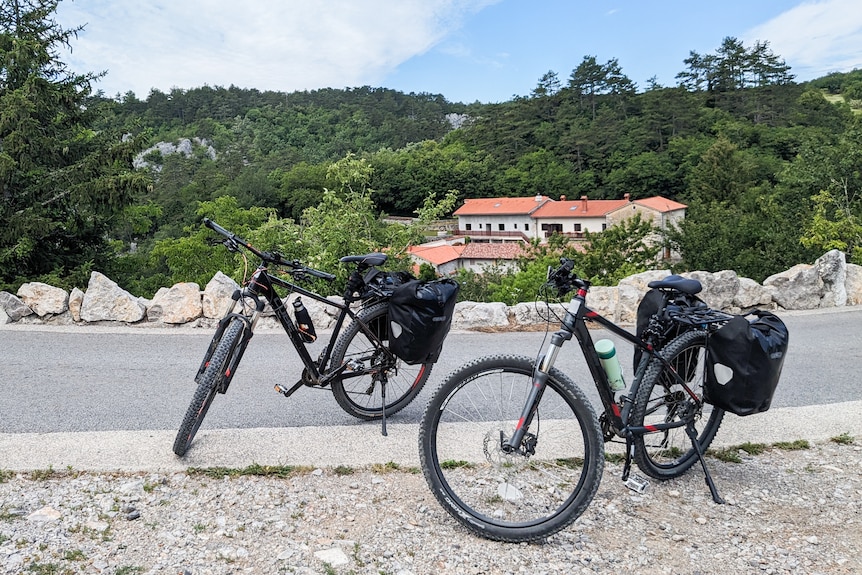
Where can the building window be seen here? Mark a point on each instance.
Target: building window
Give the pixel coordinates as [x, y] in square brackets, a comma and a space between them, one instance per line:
[577, 227]
[502, 227]
[468, 227]
[487, 227]
[516, 225]
[604, 227]
[526, 227]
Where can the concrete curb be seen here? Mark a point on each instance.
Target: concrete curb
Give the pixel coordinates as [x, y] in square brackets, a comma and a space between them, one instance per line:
[355, 445]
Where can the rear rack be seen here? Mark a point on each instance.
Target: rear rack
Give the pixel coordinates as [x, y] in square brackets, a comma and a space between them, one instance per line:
[699, 316]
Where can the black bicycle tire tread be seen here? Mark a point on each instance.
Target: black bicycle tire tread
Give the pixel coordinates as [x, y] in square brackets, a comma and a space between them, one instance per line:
[431, 469]
[205, 391]
[340, 349]
[706, 435]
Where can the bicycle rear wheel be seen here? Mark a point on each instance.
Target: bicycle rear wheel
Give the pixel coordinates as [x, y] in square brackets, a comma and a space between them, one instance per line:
[512, 497]
[359, 393]
[670, 453]
[211, 382]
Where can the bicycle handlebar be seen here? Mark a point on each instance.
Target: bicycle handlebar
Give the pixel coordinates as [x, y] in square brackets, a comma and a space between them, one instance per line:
[564, 279]
[234, 241]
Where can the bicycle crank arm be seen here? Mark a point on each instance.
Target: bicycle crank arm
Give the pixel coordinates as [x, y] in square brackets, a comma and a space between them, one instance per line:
[287, 392]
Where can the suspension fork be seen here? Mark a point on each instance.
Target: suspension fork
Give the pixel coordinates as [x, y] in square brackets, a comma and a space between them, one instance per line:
[540, 381]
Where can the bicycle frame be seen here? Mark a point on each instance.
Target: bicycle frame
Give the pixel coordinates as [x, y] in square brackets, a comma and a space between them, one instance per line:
[261, 289]
[574, 324]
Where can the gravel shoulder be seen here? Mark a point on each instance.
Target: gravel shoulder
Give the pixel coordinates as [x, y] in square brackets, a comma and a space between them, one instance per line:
[786, 512]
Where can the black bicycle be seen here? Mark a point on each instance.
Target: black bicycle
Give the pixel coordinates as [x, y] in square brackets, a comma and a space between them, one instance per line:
[512, 448]
[367, 379]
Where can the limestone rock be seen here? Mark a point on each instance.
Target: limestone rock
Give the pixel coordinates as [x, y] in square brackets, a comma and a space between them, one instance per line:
[43, 298]
[217, 294]
[751, 295]
[179, 304]
[13, 307]
[104, 300]
[853, 284]
[719, 288]
[530, 313]
[76, 298]
[832, 268]
[472, 315]
[800, 287]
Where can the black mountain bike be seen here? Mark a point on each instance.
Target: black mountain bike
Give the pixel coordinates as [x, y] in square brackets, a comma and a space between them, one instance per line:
[366, 378]
[512, 448]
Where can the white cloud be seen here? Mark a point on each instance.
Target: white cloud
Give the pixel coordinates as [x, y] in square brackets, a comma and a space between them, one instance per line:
[816, 37]
[286, 45]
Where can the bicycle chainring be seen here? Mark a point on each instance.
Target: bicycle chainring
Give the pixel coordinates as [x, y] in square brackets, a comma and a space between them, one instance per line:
[608, 432]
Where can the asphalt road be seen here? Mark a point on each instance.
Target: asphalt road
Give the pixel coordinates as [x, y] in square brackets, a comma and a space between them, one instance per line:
[75, 379]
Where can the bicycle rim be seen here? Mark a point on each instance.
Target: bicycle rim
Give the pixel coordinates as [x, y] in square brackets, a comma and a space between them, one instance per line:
[360, 392]
[502, 496]
[660, 399]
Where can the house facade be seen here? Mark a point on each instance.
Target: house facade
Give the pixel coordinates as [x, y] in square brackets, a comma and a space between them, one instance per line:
[514, 219]
[499, 219]
[492, 231]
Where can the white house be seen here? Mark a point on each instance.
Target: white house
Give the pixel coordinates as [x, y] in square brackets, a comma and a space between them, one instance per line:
[521, 219]
[499, 219]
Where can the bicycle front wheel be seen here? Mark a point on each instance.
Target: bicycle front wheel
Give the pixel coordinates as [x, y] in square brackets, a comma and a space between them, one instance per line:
[522, 496]
[211, 382]
[660, 399]
[360, 391]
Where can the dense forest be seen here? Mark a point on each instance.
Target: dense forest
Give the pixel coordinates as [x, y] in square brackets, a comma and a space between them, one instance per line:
[770, 168]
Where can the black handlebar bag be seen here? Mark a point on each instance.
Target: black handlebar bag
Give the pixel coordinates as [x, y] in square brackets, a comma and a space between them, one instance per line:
[420, 315]
[744, 361]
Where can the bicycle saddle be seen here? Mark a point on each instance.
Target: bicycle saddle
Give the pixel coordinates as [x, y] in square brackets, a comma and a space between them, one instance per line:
[677, 283]
[374, 259]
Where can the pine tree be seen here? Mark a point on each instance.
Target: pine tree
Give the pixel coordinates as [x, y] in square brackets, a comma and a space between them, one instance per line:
[61, 181]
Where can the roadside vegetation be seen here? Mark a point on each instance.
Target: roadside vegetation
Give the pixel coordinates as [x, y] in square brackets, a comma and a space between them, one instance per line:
[770, 168]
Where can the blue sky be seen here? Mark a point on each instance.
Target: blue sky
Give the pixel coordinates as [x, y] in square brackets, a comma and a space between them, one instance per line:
[466, 50]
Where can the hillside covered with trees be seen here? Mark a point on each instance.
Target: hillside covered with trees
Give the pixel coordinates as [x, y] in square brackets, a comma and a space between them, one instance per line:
[770, 168]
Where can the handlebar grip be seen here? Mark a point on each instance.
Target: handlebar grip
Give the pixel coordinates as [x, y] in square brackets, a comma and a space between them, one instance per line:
[321, 275]
[217, 228]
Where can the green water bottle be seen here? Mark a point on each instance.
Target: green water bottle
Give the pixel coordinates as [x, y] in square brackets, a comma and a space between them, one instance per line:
[611, 363]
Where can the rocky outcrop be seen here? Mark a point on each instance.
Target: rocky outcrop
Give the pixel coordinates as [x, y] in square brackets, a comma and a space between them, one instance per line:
[828, 282]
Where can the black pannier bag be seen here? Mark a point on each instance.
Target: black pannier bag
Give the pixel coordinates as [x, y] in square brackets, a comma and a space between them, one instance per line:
[420, 315]
[744, 361]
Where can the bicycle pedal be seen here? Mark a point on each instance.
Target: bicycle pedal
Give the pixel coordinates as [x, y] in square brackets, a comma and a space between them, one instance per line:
[637, 483]
[282, 390]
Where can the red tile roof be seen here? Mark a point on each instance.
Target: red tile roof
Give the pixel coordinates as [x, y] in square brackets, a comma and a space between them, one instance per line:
[501, 206]
[661, 204]
[438, 255]
[579, 208]
[547, 208]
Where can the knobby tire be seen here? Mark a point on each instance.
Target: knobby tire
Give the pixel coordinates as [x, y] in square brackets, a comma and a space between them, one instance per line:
[209, 385]
[360, 396]
[504, 496]
[660, 399]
